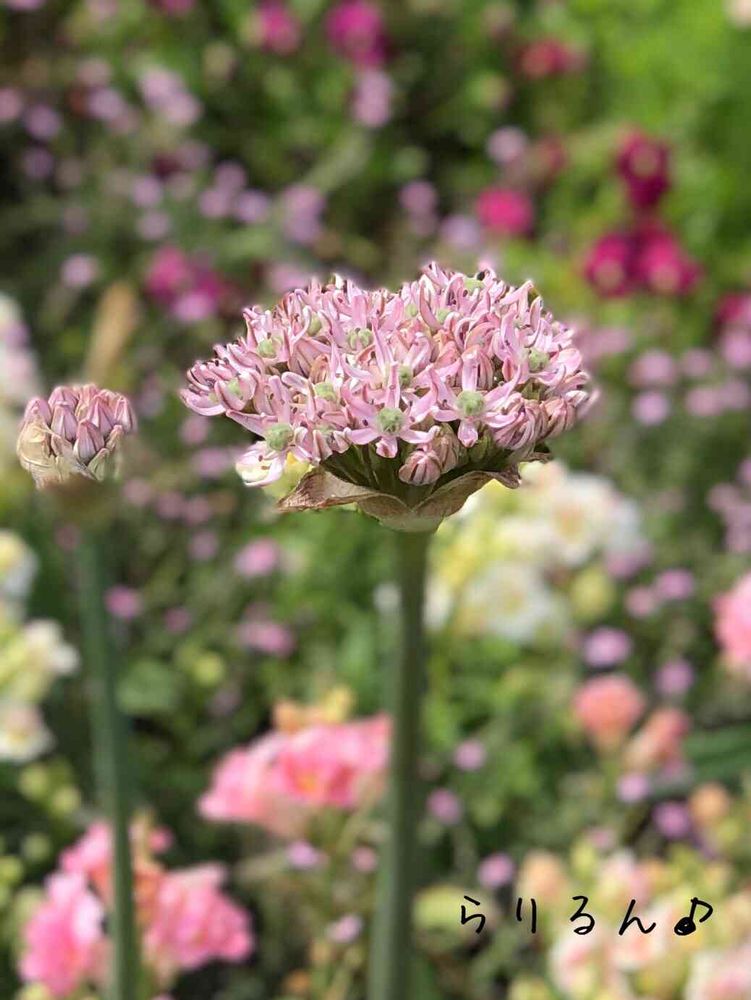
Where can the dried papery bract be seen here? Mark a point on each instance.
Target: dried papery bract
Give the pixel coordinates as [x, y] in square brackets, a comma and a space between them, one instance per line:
[403, 402]
[76, 432]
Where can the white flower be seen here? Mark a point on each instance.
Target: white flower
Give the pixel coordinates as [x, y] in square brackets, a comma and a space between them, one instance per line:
[512, 601]
[720, 975]
[582, 967]
[17, 567]
[577, 515]
[23, 734]
[45, 641]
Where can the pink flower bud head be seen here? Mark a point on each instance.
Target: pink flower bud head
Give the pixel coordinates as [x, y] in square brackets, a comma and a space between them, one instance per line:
[75, 432]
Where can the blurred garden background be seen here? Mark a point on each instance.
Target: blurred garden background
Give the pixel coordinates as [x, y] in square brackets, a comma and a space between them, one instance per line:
[587, 721]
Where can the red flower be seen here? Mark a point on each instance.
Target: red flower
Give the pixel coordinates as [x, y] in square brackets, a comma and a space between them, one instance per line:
[548, 57]
[609, 266]
[643, 164]
[662, 264]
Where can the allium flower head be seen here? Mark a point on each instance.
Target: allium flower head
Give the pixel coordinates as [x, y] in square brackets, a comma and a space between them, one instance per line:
[75, 432]
[405, 402]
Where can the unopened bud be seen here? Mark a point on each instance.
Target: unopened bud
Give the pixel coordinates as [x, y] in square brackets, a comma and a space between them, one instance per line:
[76, 432]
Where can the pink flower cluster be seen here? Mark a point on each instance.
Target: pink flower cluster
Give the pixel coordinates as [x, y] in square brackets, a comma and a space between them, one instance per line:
[184, 285]
[184, 918]
[281, 779]
[447, 373]
[647, 257]
[733, 627]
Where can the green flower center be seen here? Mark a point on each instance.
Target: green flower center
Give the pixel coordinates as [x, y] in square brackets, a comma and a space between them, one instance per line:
[267, 348]
[538, 359]
[325, 390]
[470, 403]
[390, 420]
[359, 338]
[405, 375]
[279, 436]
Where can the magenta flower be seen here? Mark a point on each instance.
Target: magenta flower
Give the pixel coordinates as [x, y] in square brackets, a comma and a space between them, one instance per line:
[643, 163]
[663, 265]
[186, 286]
[77, 431]
[356, 31]
[405, 403]
[609, 266]
[279, 29]
[505, 211]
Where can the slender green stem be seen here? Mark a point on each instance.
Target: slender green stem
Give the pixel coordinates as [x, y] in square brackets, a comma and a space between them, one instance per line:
[391, 951]
[109, 735]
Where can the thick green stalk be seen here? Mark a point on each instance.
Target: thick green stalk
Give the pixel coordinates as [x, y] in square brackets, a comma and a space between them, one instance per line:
[391, 951]
[109, 736]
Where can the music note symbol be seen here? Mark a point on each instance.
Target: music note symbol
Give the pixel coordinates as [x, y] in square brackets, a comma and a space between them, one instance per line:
[687, 925]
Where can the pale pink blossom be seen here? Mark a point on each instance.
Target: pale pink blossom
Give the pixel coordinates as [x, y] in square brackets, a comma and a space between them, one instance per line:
[192, 922]
[659, 742]
[607, 708]
[63, 942]
[281, 779]
[495, 871]
[258, 558]
[445, 806]
[733, 627]
[335, 765]
[245, 789]
[606, 647]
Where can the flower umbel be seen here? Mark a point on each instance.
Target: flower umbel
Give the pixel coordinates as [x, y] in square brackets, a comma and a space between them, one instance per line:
[75, 432]
[405, 402]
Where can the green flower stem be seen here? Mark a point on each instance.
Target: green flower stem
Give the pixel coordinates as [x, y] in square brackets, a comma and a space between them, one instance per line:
[392, 950]
[109, 736]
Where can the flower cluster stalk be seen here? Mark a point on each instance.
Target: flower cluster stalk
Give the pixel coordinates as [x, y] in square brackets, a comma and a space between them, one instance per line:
[109, 734]
[392, 947]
